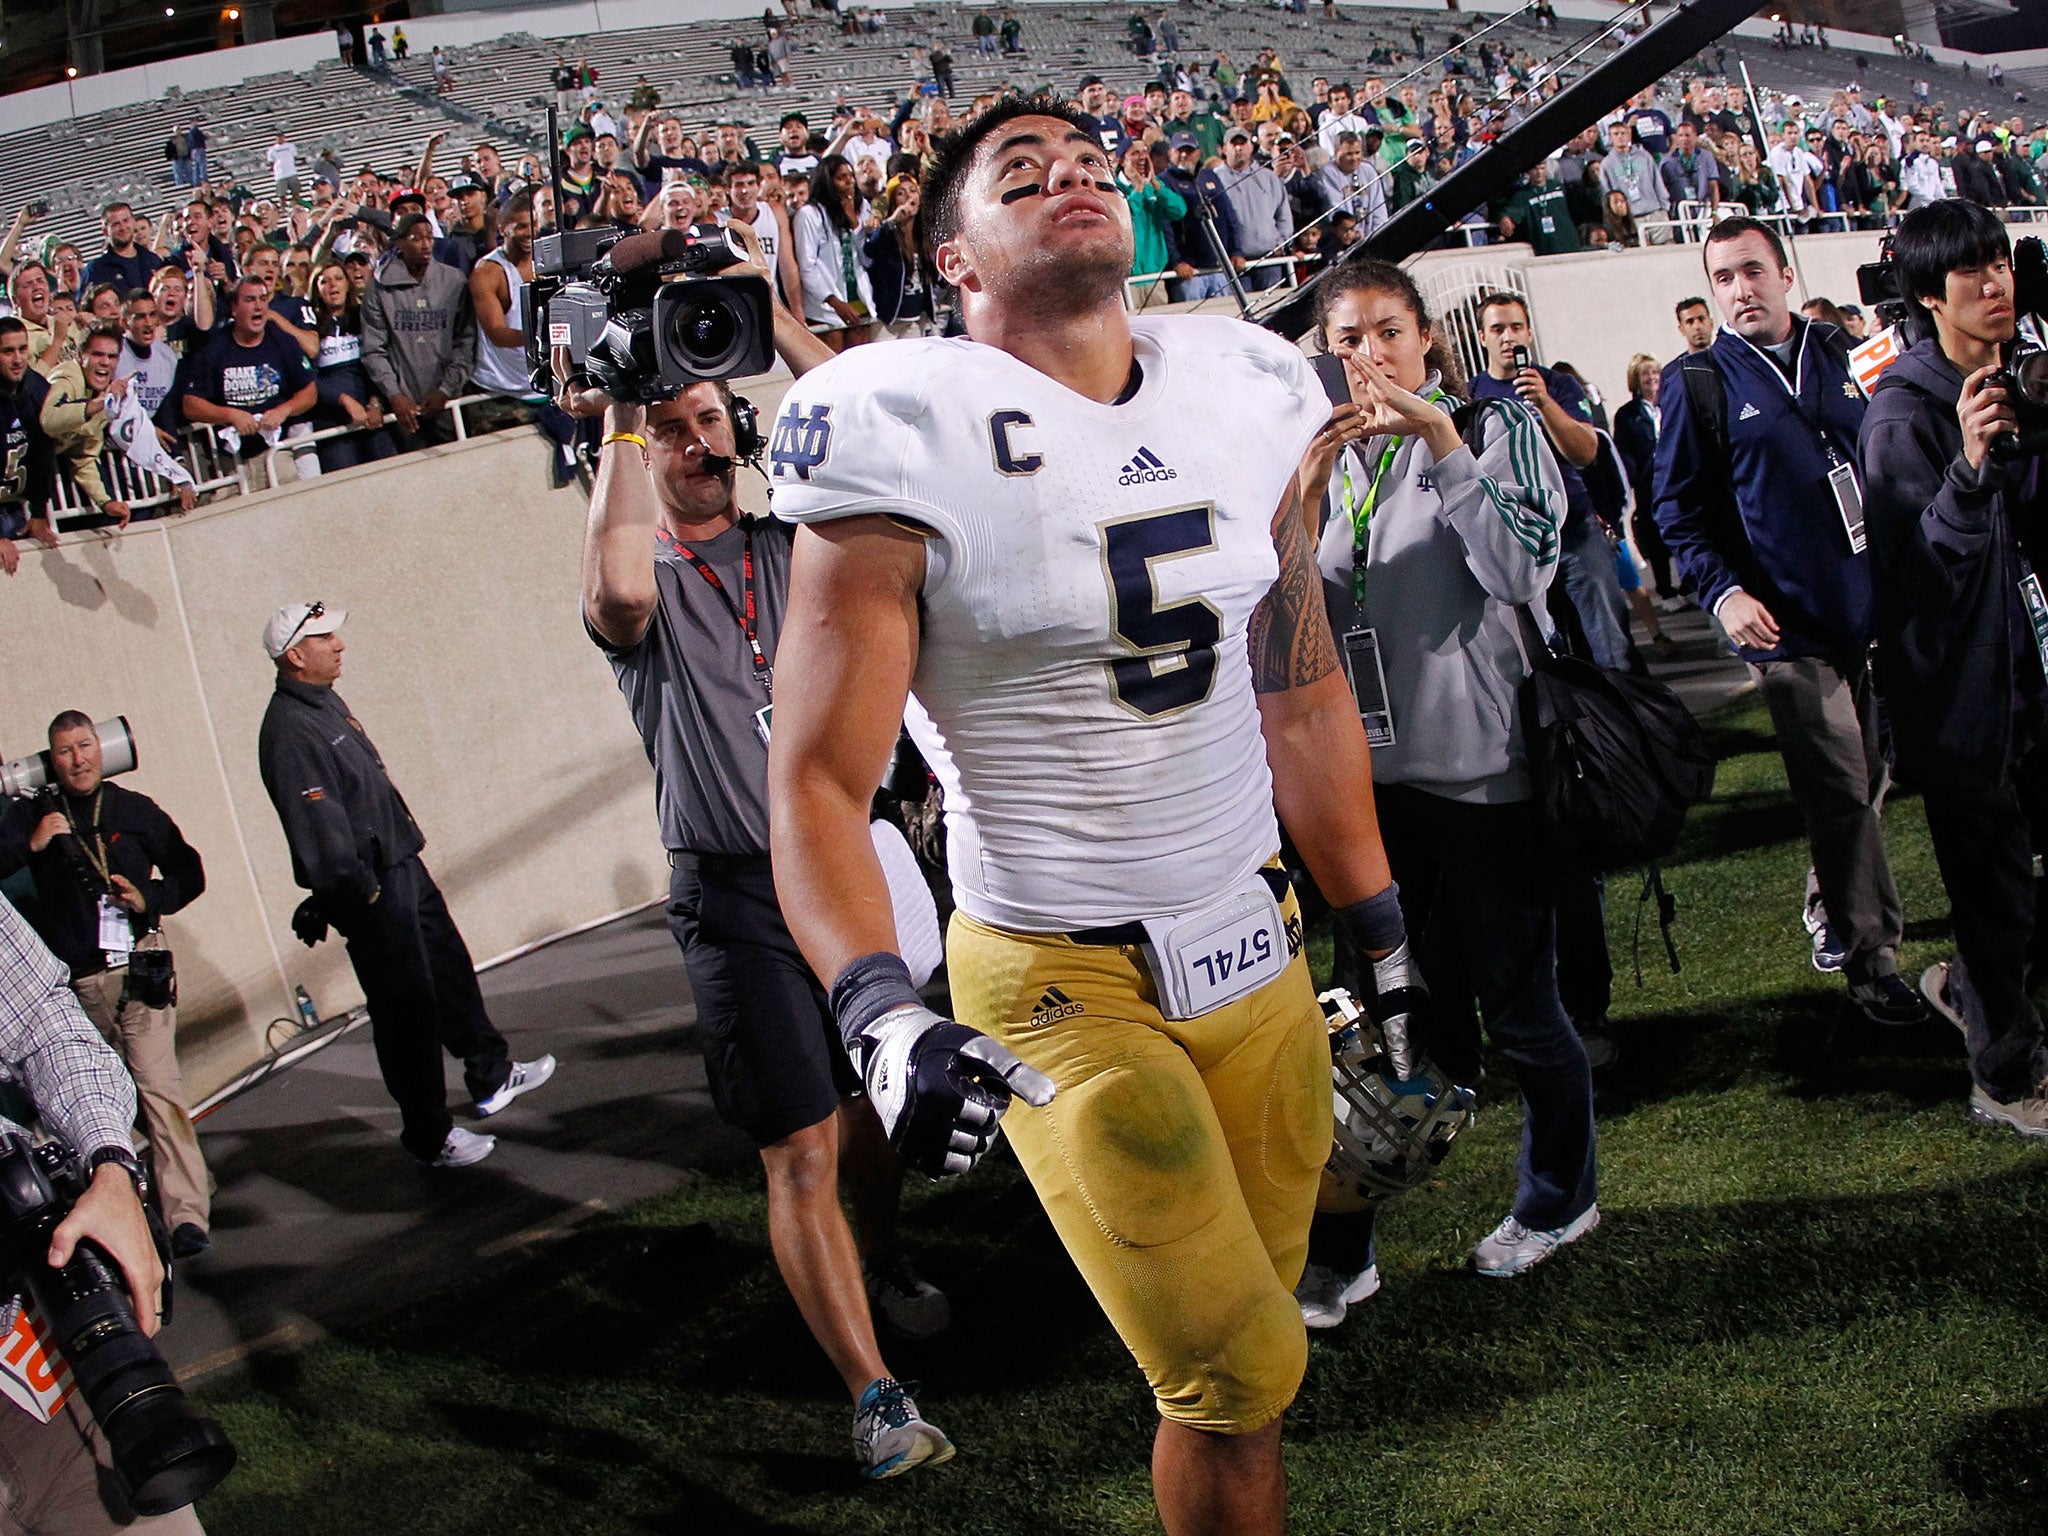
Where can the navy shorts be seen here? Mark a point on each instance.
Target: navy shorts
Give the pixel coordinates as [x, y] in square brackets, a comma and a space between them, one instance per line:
[771, 1051]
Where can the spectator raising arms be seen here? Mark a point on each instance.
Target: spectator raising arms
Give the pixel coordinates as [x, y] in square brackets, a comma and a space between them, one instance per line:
[250, 378]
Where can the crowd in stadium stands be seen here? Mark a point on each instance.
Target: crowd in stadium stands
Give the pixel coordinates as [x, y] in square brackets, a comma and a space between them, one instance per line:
[353, 309]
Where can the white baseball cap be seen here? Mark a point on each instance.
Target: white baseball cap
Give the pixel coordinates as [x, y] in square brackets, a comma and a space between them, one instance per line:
[295, 620]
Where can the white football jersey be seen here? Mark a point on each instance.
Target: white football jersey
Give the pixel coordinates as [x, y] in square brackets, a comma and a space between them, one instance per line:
[1083, 690]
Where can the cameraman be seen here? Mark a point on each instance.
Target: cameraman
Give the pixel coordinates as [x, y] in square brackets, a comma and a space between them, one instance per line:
[1956, 543]
[685, 595]
[109, 865]
[56, 1477]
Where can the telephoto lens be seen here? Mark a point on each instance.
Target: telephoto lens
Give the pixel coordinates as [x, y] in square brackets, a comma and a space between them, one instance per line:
[165, 1452]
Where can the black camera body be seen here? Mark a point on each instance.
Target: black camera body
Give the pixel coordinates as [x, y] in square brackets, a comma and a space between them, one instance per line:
[644, 316]
[165, 1452]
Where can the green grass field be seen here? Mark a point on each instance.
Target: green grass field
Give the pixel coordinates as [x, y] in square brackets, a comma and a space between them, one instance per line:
[1817, 1303]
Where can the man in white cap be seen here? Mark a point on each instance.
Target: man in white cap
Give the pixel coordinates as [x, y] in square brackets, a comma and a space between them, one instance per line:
[355, 846]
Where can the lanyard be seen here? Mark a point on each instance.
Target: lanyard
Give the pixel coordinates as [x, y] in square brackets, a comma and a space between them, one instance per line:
[1360, 513]
[742, 615]
[96, 850]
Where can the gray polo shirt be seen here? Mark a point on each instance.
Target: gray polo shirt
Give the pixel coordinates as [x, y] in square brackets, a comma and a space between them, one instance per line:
[692, 688]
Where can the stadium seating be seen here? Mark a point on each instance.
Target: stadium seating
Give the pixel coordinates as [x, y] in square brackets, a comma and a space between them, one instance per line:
[502, 87]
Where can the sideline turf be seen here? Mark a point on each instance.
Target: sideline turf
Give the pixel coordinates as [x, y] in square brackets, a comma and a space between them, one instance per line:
[1816, 1304]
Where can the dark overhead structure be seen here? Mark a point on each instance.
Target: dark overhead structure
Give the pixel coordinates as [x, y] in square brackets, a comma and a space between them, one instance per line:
[1666, 46]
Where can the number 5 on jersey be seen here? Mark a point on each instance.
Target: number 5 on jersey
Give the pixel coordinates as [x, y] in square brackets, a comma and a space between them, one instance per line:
[1174, 665]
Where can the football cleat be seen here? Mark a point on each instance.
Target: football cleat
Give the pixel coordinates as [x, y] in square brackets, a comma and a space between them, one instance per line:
[1326, 1295]
[1391, 1132]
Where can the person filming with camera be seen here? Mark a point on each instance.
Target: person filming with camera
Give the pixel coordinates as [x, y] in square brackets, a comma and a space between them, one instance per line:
[685, 595]
[1951, 460]
[109, 865]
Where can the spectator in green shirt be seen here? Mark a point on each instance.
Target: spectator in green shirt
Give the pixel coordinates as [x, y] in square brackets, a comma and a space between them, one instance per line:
[1536, 212]
[1154, 205]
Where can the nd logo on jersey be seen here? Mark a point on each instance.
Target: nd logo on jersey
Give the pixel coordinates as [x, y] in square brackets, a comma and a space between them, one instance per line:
[801, 440]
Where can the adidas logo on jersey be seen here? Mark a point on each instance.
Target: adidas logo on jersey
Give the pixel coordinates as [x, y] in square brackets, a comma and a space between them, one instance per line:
[1147, 466]
[1748, 412]
[1054, 1005]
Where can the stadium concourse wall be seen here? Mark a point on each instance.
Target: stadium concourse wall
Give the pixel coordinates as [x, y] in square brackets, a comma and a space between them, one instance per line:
[467, 664]
[1597, 309]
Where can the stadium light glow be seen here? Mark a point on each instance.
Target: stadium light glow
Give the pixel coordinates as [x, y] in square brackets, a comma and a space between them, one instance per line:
[170, 10]
[70, 71]
[234, 14]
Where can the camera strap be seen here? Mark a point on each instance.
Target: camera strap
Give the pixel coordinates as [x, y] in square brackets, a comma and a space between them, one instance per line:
[743, 614]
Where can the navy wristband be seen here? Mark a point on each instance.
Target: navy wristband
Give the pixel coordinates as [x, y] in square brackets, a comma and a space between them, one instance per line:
[868, 988]
[1375, 923]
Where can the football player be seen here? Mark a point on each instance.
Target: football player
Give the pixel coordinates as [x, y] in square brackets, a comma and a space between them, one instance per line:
[1073, 536]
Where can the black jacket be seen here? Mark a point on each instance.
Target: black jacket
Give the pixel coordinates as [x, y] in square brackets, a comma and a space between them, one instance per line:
[1955, 653]
[344, 819]
[887, 274]
[28, 462]
[1635, 434]
[140, 843]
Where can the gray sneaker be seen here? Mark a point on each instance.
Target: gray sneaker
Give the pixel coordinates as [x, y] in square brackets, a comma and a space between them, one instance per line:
[1513, 1249]
[1934, 988]
[915, 1307]
[889, 1437]
[1326, 1295]
[2028, 1116]
[461, 1149]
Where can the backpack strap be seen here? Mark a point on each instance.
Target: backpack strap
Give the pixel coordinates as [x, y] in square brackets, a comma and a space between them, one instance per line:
[1707, 395]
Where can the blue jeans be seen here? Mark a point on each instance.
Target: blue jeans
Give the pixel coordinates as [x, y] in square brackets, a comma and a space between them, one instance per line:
[1203, 285]
[1476, 896]
[1586, 562]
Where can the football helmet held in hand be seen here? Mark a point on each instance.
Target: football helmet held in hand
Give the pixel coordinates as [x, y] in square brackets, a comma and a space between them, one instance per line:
[1391, 1131]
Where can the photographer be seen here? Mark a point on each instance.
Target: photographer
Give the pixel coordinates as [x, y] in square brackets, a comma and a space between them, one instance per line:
[1962, 636]
[56, 1476]
[685, 595]
[108, 866]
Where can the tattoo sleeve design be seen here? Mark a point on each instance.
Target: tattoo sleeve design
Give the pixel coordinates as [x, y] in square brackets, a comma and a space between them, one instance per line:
[1289, 636]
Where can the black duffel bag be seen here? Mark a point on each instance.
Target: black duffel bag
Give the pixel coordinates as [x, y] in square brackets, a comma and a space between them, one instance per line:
[1617, 760]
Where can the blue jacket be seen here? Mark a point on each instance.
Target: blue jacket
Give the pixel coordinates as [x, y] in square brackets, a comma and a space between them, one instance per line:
[1766, 521]
[1956, 658]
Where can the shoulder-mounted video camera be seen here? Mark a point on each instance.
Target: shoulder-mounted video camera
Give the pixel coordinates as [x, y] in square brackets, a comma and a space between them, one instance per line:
[2024, 376]
[644, 316]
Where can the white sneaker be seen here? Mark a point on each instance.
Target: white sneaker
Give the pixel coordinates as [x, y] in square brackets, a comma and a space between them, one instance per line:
[526, 1076]
[915, 1307]
[889, 1436]
[1513, 1249]
[2028, 1116]
[1325, 1295]
[463, 1148]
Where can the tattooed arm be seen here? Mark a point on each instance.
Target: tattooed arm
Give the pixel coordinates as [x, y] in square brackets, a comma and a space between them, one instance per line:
[1322, 771]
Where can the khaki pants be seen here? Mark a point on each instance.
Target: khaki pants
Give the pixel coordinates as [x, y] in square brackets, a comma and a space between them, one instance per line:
[55, 1480]
[146, 1039]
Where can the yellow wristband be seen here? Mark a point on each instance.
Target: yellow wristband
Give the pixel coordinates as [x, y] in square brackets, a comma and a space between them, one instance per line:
[624, 437]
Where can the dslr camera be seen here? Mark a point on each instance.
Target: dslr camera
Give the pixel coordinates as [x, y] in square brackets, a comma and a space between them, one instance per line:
[2024, 375]
[165, 1452]
[644, 316]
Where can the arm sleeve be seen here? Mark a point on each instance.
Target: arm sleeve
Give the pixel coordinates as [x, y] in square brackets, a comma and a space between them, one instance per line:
[1688, 481]
[820, 277]
[462, 354]
[316, 825]
[377, 345]
[64, 412]
[843, 444]
[80, 1088]
[1506, 504]
[1931, 521]
[180, 874]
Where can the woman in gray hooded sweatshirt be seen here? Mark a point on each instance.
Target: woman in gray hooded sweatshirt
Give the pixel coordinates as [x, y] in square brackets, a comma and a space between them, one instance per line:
[1432, 548]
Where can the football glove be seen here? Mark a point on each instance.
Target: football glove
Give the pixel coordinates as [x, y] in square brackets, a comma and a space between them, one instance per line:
[939, 1088]
[309, 922]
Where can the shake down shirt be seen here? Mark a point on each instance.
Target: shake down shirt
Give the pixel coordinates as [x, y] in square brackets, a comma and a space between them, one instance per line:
[1083, 685]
